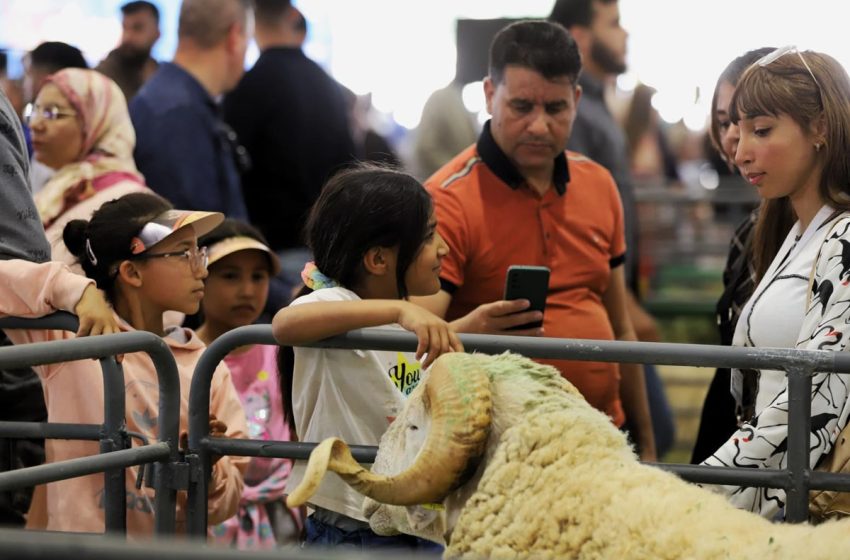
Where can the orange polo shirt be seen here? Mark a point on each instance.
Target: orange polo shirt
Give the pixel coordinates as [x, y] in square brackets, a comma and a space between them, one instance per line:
[491, 220]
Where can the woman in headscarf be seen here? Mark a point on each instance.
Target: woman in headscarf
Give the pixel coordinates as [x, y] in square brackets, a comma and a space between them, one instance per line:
[81, 128]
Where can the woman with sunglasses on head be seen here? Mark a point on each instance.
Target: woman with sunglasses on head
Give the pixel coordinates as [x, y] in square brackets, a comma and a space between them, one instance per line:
[144, 255]
[793, 113]
[81, 129]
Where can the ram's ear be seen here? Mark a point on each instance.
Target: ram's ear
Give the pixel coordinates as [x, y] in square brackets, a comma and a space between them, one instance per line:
[422, 516]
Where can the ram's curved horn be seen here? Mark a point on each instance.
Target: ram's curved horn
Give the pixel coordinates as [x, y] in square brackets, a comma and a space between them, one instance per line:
[457, 391]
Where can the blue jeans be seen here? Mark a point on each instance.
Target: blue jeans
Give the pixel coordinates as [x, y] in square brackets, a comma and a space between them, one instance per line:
[321, 534]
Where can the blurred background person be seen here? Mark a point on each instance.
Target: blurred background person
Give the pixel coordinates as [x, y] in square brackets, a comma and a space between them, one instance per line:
[445, 129]
[718, 420]
[369, 145]
[130, 64]
[292, 119]
[44, 60]
[81, 129]
[595, 25]
[183, 148]
[651, 158]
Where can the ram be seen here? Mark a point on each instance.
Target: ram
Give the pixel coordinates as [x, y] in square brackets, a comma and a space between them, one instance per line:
[498, 456]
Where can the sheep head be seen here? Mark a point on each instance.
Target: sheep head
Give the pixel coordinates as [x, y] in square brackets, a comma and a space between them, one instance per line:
[428, 451]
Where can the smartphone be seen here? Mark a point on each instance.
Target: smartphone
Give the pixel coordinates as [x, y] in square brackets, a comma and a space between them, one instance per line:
[531, 283]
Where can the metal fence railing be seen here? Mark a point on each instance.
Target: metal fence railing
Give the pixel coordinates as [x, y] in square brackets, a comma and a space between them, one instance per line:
[115, 455]
[799, 365]
[34, 545]
[174, 473]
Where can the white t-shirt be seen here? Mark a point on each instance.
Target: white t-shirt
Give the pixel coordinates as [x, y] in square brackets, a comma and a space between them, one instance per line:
[349, 394]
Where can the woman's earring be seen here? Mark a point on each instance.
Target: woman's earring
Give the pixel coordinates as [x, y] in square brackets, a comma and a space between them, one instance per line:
[817, 147]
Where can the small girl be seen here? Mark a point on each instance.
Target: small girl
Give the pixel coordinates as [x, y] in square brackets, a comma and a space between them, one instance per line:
[373, 234]
[144, 255]
[236, 290]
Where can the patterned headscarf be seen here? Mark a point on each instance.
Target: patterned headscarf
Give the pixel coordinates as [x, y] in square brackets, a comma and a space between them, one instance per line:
[108, 141]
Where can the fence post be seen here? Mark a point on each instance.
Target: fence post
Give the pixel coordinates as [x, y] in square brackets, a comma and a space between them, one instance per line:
[114, 439]
[799, 433]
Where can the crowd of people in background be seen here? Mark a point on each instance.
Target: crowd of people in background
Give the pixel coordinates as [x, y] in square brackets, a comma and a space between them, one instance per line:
[283, 219]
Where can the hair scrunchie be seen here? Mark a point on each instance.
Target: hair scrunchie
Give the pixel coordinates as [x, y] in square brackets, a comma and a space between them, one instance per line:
[314, 279]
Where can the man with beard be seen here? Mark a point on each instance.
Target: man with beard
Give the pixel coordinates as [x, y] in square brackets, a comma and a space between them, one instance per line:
[595, 25]
[130, 64]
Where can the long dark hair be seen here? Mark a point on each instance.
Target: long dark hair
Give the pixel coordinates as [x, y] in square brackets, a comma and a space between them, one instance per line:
[785, 86]
[100, 244]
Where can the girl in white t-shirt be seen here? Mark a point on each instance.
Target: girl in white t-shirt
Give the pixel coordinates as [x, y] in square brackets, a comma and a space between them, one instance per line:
[373, 234]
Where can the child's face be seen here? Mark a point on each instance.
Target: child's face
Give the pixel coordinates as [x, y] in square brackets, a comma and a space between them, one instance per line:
[423, 276]
[174, 282]
[237, 289]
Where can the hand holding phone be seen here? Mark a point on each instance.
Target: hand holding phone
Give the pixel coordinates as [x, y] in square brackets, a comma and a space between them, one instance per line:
[531, 283]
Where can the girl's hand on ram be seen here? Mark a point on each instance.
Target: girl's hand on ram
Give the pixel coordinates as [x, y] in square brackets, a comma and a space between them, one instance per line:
[436, 336]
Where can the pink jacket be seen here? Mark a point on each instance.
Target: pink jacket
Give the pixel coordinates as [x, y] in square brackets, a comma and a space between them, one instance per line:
[73, 392]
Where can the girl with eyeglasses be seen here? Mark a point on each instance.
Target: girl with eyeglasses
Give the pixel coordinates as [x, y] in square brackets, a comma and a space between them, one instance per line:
[792, 110]
[143, 255]
[82, 130]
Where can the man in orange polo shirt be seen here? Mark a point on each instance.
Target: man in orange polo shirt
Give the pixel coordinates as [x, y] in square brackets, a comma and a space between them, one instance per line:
[517, 197]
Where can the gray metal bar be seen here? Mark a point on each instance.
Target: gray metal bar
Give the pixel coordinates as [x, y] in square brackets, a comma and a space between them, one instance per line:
[60, 470]
[283, 449]
[770, 478]
[50, 430]
[829, 481]
[799, 430]
[36, 545]
[60, 321]
[700, 355]
[114, 439]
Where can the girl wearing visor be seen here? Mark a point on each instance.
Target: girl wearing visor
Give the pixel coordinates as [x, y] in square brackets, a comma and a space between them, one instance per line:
[143, 255]
[236, 290]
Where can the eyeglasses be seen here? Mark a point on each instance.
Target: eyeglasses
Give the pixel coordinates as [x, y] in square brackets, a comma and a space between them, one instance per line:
[197, 258]
[49, 113]
[781, 51]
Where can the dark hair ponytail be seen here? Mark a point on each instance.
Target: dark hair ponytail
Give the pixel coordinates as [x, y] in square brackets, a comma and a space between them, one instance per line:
[285, 369]
[101, 243]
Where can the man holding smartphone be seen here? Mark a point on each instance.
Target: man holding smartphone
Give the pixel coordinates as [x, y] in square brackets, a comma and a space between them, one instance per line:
[517, 197]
